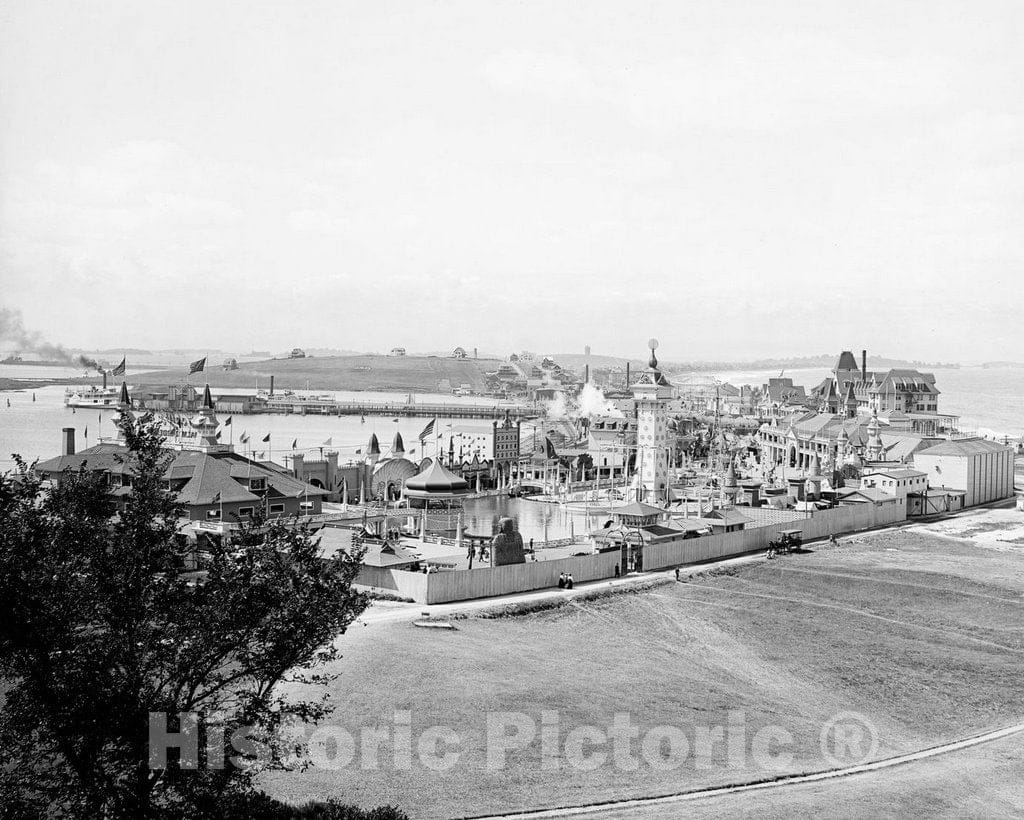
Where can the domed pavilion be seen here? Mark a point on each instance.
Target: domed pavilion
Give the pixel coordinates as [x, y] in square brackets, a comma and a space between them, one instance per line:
[438, 493]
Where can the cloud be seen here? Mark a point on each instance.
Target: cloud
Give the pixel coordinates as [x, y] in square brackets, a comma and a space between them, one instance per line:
[316, 221]
[552, 75]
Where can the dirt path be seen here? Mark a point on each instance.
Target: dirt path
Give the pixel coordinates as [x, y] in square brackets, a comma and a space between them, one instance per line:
[597, 809]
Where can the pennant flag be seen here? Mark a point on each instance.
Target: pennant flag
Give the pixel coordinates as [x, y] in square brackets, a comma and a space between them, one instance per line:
[218, 435]
[197, 366]
[227, 422]
[295, 443]
[119, 370]
[357, 451]
[328, 442]
[216, 499]
[267, 437]
[244, 438]
[395, 420]
[427, 430]
[87, 431]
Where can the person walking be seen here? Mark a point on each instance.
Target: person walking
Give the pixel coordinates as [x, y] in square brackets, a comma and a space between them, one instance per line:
[561, 580]
[568, 581]
[677, 573]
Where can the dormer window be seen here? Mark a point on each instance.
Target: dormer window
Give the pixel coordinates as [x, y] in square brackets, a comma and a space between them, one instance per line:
[257, 484]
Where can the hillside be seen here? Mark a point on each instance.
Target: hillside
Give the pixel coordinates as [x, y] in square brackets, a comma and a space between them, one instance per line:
[422, 374]
[577, 360]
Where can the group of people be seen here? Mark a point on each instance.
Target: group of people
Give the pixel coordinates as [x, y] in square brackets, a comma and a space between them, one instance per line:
[564, 581]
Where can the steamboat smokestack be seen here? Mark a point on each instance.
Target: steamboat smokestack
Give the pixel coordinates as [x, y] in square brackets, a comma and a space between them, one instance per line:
[586, 374]
[864, 365]
[68, 441]
[271, 384]
[104, 379]
[627, 374]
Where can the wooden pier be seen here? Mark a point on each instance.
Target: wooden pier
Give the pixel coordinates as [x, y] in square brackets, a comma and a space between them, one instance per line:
[333, 407]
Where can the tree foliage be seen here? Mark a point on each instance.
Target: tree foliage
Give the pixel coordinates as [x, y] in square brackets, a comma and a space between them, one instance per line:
[100, 628]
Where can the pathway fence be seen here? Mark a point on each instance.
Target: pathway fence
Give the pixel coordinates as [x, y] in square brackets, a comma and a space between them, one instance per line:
[484, 582]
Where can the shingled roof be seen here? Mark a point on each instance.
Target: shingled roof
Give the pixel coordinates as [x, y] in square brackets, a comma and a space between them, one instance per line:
[204, 474]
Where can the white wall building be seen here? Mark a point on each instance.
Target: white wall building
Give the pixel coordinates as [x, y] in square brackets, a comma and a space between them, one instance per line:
[898, 482]
[982, 469]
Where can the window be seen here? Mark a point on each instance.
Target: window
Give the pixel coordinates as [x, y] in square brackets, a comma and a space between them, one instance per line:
[257, 484]
[245, 512]
[213, 515]
[276, 509]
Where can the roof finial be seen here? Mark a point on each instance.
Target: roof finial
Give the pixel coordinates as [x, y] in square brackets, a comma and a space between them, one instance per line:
[653, 362]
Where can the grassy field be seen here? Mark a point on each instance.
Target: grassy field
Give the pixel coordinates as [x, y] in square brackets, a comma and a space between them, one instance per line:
[408, 373]
[919, 632]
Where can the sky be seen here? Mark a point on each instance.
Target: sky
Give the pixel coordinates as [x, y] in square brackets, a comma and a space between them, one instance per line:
[737, 179]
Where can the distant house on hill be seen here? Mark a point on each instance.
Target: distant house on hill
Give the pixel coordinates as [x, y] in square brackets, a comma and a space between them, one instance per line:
[459, 353]
[397, 351]
[297, 353]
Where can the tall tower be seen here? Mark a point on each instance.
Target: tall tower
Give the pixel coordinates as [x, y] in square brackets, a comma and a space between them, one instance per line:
[651, 393]
[875, 449]
[204, 427]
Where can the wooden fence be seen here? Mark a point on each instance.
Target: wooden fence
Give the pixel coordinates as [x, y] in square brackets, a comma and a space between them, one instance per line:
[487, 582]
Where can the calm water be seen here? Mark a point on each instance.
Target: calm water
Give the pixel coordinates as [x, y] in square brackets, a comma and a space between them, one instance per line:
[990, 401]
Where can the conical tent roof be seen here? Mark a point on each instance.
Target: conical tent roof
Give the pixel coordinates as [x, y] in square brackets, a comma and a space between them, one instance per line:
[207, 398]
[124, 398]
[373, 448]
[398, 446]
[435, 480]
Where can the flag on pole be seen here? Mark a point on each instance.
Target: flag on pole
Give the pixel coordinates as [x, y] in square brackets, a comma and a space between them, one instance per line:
[87, 431]
[267, 437]
[197, 366]
[218, 435]
[227, 421]
[357, 451]
[295, 443]
[244, 438]
[427, 430]
[119, 370]
[328, 442]
[216, 498]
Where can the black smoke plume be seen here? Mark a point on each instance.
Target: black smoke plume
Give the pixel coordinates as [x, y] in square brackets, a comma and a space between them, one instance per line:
[12, 329]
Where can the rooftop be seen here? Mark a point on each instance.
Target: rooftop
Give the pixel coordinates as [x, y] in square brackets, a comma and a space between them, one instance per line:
[965, 447]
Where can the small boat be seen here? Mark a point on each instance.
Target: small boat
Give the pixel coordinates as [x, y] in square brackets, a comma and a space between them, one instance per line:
[99, 397]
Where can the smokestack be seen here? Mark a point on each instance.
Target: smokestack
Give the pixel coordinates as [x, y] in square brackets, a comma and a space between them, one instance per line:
[627, 374]
[271, 384]
[864, 365]
[68, 444]
[104, 379]
[474, 353]
[586, 374]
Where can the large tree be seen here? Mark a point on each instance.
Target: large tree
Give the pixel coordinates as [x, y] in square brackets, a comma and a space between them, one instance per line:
[101, 632]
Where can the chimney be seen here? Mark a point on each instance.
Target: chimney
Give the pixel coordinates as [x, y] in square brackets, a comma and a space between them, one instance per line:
[864, 365]
[474, 353]
[586, 374]
[68, 445]
[271, 384]
[104, 379]
[298, 461]
[627, 374]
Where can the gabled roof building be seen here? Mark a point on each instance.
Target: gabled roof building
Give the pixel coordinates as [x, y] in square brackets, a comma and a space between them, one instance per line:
[217, 486]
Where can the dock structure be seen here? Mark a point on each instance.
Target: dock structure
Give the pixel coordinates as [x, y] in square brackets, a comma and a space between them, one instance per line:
[334, 407]
[187, 399]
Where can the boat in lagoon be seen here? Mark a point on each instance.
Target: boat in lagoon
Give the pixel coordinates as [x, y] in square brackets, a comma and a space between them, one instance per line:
[92, 396]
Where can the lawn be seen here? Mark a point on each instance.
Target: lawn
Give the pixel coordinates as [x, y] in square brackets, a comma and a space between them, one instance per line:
[918, 633]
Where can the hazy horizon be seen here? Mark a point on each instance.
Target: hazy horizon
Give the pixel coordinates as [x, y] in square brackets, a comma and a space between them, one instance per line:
[739, 180]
